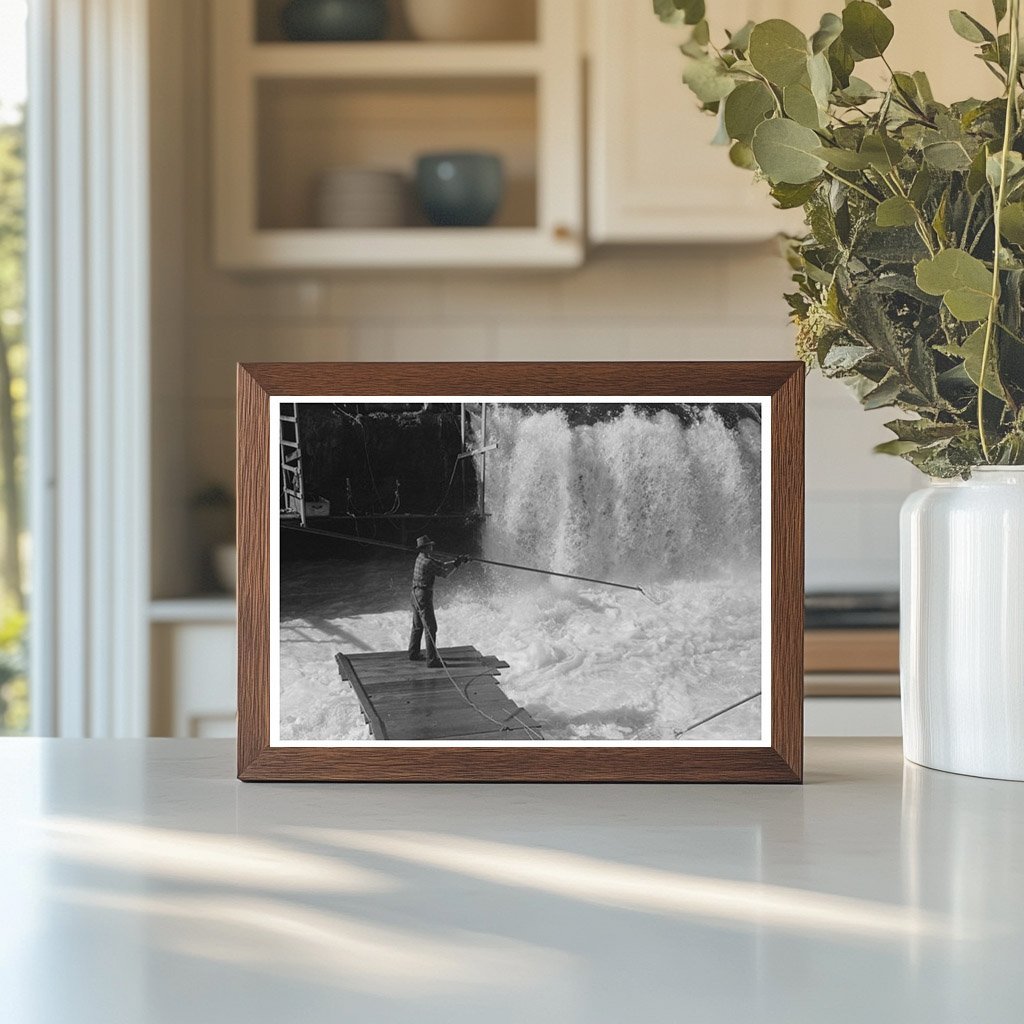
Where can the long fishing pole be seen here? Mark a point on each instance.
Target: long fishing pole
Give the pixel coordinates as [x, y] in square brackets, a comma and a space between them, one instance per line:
[471, 558]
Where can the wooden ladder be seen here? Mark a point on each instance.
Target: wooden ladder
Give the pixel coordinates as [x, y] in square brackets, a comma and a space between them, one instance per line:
[292, 497]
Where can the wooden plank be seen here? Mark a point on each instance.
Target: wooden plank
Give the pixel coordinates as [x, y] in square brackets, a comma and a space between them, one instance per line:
[466, 654]
[372, 718]
[406, 673]
[442, 704]
[445, 652]
[424, 704]
[421, 687]
[495, 707]
[415, 668]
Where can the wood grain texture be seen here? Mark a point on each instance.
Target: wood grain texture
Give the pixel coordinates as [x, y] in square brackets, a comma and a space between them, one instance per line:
[783, 382]
[252, 485]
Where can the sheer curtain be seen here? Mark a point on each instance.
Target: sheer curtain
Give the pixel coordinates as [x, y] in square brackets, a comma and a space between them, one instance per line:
[88, 300]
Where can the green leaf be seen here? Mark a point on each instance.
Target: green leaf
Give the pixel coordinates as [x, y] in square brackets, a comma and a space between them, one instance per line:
[969, 28]
[971, 352]
[896, 447]
[844, 159]
[947, 156]
[976, 173]
[858, 91]
[963, 281]
[675, 12]
[896, 212]
[829, 30]
[921, 185]
[739, 41]
[708, 80]
[841, 60]
[924, 87]
[694, 11]
[883, 153]
[745, 108]
[999, 7]
[820, 77]
[1014, 169]
[939, 220]
[785, 152]
[778, 50]
[885, 394]
[741, 155]
[866, 29]
[800, 105]
[906, 89]
[1012, 225]
[789, 197]
[923, 431]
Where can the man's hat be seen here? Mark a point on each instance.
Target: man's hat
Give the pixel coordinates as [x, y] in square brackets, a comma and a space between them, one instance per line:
[423, 542]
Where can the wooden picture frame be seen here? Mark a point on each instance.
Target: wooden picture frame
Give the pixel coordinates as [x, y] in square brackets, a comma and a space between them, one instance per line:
[780, 386]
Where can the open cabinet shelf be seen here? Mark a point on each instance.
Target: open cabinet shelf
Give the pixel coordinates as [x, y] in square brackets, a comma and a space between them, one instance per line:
[286, 114]
[393, 59]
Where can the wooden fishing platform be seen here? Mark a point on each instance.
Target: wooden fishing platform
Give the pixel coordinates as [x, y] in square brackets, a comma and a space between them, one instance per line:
[405, 700]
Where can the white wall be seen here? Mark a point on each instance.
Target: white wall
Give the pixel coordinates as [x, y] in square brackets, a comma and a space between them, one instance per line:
[655, 303]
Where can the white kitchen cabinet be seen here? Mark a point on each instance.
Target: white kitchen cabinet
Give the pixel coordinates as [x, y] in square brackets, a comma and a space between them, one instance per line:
[286, 113]
[193, 667]
[653, 175]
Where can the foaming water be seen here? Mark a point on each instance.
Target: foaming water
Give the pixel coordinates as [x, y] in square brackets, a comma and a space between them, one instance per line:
[641, 495]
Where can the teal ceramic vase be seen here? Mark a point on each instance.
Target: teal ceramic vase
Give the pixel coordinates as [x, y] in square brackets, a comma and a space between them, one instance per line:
[460, 189]
[330, 21]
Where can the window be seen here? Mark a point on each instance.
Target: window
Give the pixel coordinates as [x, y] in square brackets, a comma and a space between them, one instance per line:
[14, 551]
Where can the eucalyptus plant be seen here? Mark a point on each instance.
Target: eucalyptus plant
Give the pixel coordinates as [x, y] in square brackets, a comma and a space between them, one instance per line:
[910, 278]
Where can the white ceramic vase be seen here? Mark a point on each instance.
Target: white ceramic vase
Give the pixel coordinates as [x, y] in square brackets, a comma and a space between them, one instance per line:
[962, 624]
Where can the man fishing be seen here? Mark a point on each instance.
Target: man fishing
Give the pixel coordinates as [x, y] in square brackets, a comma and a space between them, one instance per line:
[425, 571]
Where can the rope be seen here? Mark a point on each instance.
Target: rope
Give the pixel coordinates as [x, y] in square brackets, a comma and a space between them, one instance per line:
[717, 714]
[502, 726]
[447, 490]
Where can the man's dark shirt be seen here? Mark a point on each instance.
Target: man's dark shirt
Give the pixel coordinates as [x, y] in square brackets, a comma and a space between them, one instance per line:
[427, 569]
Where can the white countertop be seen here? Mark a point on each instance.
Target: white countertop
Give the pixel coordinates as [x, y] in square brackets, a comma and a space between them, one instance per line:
[142, 885]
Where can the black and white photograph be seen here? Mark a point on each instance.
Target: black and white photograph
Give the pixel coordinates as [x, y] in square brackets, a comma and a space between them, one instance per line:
[520, 570]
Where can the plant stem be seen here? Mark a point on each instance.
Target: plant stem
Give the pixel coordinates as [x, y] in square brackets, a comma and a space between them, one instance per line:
[853, 185]
[922, 225]
[993, 309]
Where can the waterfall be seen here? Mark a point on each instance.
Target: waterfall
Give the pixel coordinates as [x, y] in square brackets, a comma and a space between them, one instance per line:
[636, 496]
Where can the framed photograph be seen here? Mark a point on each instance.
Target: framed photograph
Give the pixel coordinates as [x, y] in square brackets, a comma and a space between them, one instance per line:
[549, 572]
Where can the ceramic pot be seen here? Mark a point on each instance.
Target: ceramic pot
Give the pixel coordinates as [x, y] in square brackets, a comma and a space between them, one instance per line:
[469, 20]
[334, 20]
[361, 198]
[460, 189]
[962, 624]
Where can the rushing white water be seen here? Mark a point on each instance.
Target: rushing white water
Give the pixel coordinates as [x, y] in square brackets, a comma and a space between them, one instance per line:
[637, 495]
[637, 499]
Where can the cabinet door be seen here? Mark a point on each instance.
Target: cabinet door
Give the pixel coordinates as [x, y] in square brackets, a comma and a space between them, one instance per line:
[653, 175]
